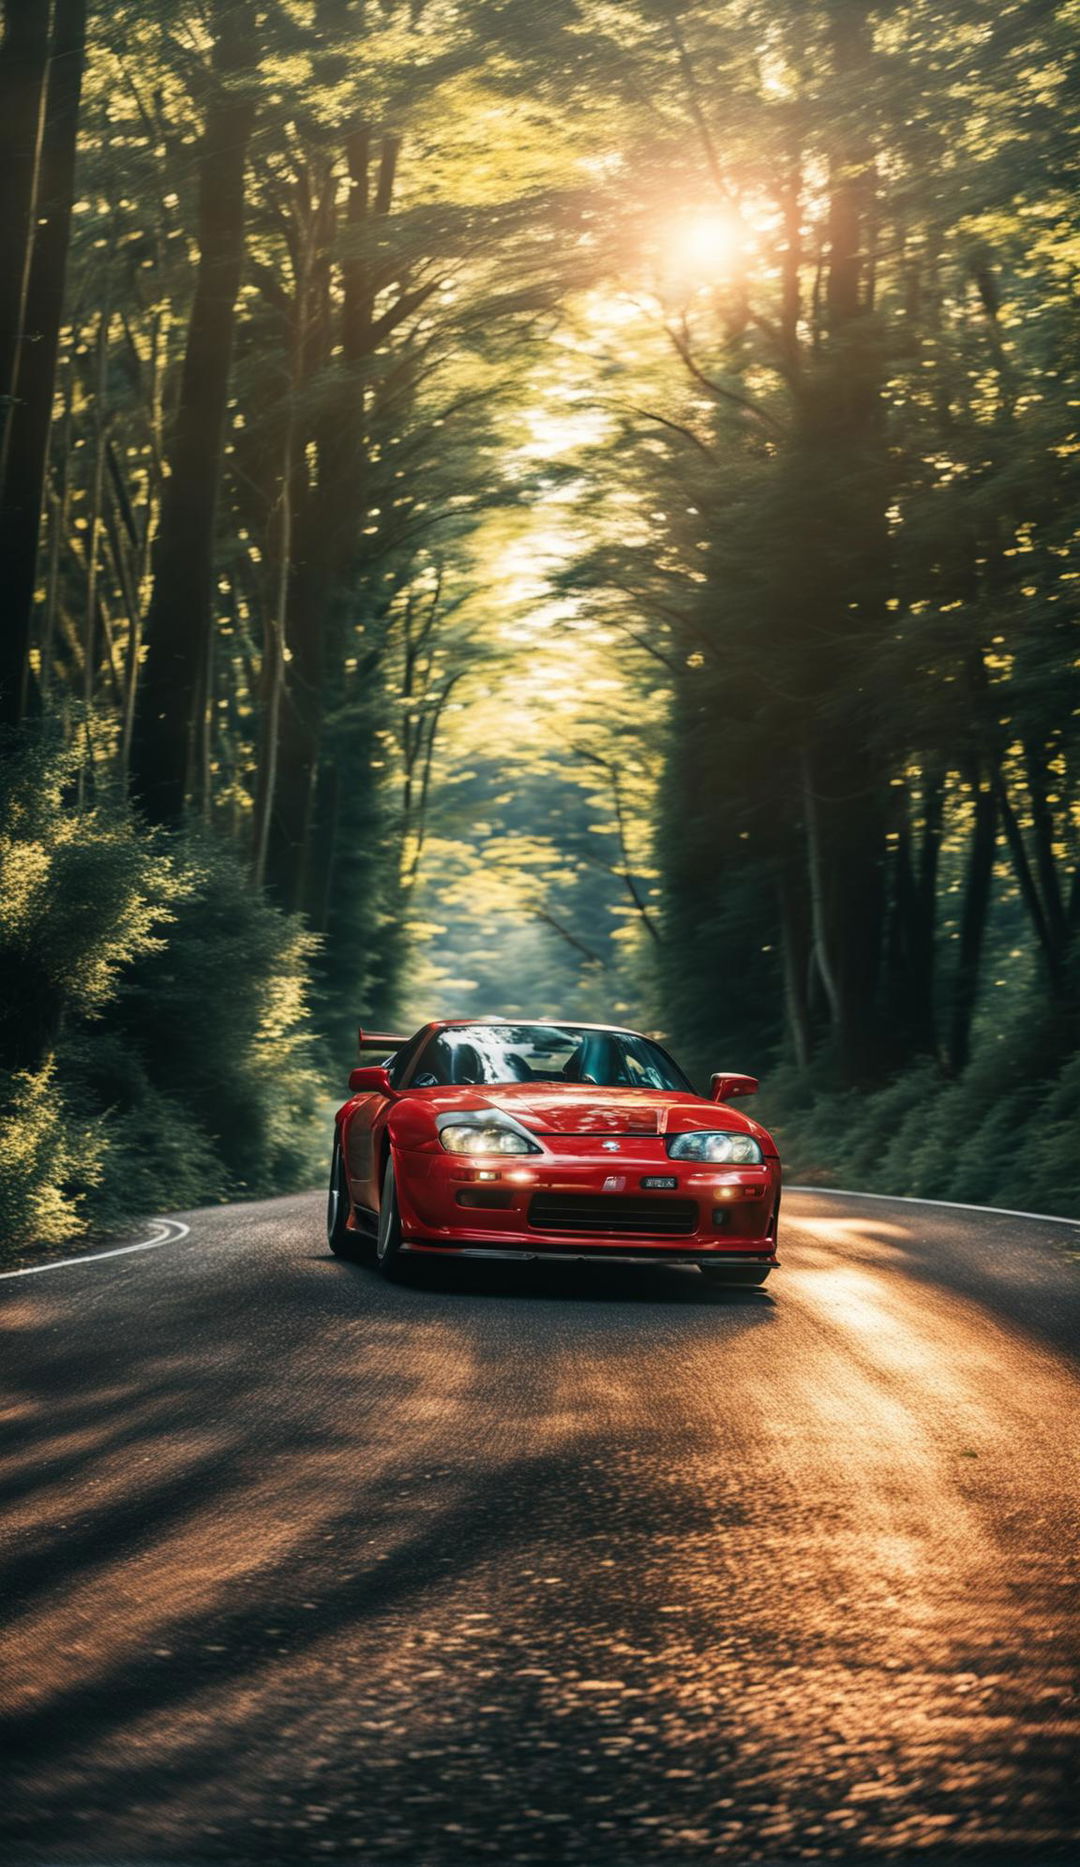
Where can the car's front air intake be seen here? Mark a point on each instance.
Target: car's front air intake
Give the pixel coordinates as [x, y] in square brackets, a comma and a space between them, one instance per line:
[613, 1215]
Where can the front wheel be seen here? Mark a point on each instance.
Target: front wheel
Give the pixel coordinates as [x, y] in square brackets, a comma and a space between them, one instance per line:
[732, 1276]
[389, 1254]
[340, 1239]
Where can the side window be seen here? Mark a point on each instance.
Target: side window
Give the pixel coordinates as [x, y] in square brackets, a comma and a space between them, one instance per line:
[450, 1058]
[434, 1064]
[402, 1060]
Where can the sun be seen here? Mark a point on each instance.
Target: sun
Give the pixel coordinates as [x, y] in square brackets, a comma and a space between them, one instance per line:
[704, 247]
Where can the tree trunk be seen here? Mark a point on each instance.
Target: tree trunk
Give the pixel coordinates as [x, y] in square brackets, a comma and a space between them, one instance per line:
[851, 175]
[842, 458]
[24, 64]
[59, 522]
[273, 664]
[911, 945]
[1049, 946]
[976, 910]
[173, 680]
[294, 495]
[1045, 834]
[795, 933]
[819, 946]
[852, 842]
[93, 535]
[23, 495]
[144, 540]
[326, 525]
[301, 718]
[923, 943]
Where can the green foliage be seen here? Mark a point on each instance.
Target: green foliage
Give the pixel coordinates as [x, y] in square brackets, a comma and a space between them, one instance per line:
[49, 1161]
[209, 1036]
[643, 580]
[840, 510]
[81, 896]
[157, 1051]
[1003, 1134]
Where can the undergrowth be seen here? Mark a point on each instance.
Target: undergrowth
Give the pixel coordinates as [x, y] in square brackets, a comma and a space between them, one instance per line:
[156, 1047]
[1006, 1133]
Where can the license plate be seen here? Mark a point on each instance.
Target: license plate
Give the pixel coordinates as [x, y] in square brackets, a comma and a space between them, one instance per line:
[660, 1183]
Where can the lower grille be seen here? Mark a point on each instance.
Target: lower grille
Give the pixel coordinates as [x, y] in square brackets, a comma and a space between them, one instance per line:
[612, 1215]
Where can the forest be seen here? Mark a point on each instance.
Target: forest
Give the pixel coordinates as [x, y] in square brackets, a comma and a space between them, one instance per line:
[564, 507]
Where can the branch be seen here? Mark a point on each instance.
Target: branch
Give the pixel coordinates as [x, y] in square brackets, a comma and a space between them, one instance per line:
[647, 647]
[716, 389]
[1029, 893]
[697, 111]
[626, 874]
[564, 933]
[425, 778]
[648, 414]
[401, 309]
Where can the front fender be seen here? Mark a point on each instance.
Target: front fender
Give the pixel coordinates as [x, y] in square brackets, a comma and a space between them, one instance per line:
[411, 1127]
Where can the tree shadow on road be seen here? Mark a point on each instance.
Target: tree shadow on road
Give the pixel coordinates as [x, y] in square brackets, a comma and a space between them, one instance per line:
[304, 1566]
[1018, 1270]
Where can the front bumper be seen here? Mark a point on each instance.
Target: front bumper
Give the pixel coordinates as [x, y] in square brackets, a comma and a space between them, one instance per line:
[569, 1254]
[532, 1206]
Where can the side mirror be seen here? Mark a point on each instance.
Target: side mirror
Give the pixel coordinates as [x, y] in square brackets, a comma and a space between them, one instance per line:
[726, 1088]
[374, 1081]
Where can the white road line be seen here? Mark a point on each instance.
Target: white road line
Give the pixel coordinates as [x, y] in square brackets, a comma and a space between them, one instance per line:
[171, 1233]
[173, 1230]
[953, 1205]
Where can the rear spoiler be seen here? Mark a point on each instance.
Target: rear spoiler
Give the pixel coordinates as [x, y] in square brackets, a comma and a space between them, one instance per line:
[378, 1040]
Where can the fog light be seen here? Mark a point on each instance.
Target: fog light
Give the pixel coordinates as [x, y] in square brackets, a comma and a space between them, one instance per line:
[487, 1176]
[719, 1216]
[522, 1176]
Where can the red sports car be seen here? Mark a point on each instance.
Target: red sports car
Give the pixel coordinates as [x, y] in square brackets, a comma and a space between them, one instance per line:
[499, 1140]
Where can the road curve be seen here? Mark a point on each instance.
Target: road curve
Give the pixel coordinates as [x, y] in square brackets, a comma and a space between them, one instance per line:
[544, 1565]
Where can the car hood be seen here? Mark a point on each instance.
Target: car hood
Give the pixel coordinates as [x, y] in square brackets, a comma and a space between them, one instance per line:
[589, 1110]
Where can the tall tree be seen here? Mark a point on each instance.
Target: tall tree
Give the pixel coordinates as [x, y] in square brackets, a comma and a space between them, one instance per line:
[172, 684]
[840, 440]
[24, 64]
[27, 440]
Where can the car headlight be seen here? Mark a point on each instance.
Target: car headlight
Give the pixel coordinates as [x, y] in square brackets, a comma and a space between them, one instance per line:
[740, 1150]
[470, 1138]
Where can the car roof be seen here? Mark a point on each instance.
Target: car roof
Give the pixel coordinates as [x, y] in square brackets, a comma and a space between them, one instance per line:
[562, 1024]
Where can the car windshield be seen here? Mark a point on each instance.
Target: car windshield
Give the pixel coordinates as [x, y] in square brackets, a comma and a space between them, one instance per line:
[545, 1053]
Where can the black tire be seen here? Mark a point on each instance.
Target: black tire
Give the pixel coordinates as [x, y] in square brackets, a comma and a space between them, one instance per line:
[389, 1256]
[731, 1275]
[342, 1242]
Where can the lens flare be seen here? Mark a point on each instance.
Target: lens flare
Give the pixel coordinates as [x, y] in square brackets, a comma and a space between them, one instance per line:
[705, 247]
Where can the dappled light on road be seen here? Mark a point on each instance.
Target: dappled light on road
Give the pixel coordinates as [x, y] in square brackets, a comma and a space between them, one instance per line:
[304, 1566]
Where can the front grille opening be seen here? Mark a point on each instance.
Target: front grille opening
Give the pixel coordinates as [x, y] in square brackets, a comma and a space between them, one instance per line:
[489, 1196]
[612, 1215]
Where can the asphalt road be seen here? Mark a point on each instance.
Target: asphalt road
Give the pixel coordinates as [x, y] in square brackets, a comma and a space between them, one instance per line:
[543, 1566]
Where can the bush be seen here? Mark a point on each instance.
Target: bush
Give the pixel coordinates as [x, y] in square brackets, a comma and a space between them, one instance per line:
[208, 1070]
[82, 896]
[155, 1043]
[1004, 1134]
[43, 1152]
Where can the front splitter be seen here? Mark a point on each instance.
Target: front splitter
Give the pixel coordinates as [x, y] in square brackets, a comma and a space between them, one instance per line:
[572, 1254]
